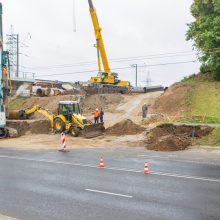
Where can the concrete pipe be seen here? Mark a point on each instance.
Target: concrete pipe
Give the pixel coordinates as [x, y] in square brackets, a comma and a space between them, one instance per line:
[41, 92]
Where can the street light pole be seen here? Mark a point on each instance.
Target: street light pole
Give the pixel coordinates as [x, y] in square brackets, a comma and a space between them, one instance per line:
[136, 73]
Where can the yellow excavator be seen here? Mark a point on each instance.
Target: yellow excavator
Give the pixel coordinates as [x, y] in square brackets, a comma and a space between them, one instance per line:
[69, 119]
[104, 77]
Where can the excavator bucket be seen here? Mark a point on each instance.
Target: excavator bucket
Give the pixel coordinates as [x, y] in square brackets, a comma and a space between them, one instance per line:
[93, 130]
[17, 115]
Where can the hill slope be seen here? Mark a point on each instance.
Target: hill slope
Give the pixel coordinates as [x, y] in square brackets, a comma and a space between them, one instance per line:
[193, 101]
[193, 98]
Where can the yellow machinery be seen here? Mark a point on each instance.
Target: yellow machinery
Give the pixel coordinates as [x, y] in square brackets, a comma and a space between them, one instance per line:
[68, 120]
[106, 76]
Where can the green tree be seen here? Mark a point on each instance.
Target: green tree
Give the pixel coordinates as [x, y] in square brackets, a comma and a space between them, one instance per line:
[205, 32]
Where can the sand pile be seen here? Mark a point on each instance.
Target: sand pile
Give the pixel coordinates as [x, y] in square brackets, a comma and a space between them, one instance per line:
[125, 127]
[169, 137]
[105, 101]
[175, 96]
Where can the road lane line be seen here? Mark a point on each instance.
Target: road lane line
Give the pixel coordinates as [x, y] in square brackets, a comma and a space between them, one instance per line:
[152, 156]
[148, 157]
[185, 177]
[108, 193]
[112, 168]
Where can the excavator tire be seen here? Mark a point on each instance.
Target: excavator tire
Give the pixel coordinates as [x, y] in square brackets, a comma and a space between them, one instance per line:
[74, 131]
[59, 125]
[3, 133]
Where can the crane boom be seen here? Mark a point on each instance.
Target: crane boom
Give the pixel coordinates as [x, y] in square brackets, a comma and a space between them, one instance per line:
[105, 77]
[99, 40]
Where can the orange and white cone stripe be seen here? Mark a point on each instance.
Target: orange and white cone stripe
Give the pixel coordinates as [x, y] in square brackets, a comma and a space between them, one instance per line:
[101, 162]
[146, 168]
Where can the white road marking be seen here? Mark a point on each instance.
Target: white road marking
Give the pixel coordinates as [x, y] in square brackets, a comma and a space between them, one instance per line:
[186, 177]
[108, 193]
[173, 159]
[111, 168]
[153, 156]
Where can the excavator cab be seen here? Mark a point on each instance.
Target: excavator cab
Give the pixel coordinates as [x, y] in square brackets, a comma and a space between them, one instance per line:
[68, 108]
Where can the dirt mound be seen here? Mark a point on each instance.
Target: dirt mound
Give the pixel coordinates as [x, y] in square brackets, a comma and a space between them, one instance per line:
[50, 103]
[30, 126]
[105, 101]
[90, 103]
[173, 101]
[153, 119]
[169, 137]
[125, 127]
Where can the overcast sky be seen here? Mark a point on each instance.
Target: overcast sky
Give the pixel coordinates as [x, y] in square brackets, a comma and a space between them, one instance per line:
[131, 28]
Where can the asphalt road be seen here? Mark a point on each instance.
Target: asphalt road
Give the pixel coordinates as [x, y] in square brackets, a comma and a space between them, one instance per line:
[52, 185]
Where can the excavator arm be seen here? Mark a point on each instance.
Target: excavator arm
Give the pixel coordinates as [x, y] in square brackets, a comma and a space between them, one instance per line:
[43, 111]
[30, 111]
[36, 108]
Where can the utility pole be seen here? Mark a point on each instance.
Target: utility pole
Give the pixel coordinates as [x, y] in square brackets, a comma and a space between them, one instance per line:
[136, 73]
[12, 46]
[17, 72]
[15, 45]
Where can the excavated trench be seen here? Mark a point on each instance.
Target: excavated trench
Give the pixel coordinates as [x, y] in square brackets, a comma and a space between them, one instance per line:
[23, 127]
[169, 137]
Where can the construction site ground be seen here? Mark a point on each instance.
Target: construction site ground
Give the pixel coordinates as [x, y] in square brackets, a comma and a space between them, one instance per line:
[117, 108]
[123, 123]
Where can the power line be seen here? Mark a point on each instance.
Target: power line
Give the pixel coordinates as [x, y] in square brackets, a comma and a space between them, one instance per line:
[126, 59]
[119, 68]
[151, 56]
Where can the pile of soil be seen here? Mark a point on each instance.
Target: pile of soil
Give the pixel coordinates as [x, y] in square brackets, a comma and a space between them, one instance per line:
[104, 101]
[30, 126]
[50, 103]
[169, 137]
[89, 104]
[173, 100]
[125, 127]
[153, 119]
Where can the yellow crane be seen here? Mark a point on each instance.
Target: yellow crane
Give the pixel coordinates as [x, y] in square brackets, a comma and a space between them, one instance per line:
[106, 76]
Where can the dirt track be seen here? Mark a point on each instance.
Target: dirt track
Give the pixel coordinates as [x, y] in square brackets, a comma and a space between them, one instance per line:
[129, 108]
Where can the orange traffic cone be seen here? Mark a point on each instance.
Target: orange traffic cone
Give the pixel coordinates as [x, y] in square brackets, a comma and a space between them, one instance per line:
[146, 169]
[101, 162]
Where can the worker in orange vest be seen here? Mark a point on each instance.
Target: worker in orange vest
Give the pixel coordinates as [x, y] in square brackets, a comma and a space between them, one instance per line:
[96, 114]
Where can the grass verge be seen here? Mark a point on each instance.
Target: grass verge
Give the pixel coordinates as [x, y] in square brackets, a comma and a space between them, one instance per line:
[15, 104]
[211, 140]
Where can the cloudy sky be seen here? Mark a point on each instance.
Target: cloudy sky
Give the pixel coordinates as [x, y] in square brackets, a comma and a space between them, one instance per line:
[143, 32]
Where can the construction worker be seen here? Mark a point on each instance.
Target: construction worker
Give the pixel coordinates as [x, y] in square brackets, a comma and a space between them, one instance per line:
[101, 115]
[144, 111]
[96, 114]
